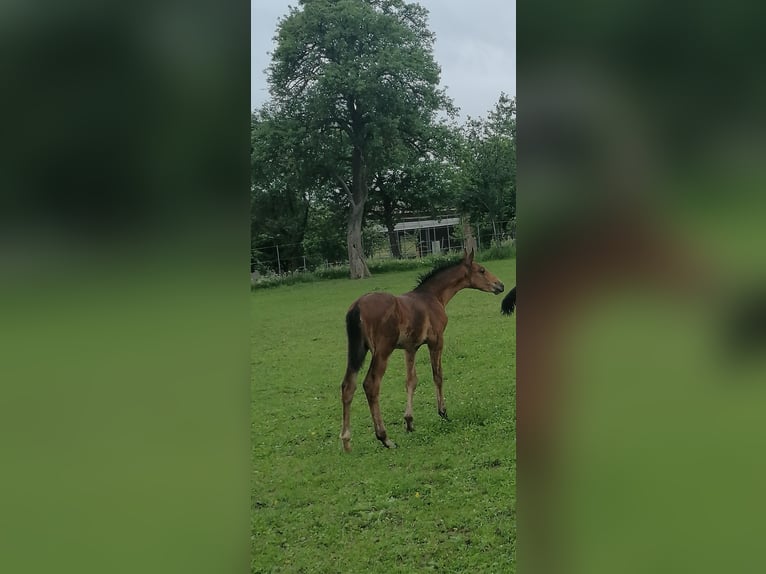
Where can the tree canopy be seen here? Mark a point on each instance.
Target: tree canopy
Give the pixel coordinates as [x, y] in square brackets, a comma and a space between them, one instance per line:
[489, 166]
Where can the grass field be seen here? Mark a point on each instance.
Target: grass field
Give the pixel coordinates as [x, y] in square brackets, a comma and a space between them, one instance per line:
[443, 501]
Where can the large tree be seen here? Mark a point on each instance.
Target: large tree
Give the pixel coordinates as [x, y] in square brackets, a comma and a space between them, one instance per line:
[489, 166]
[359, 78]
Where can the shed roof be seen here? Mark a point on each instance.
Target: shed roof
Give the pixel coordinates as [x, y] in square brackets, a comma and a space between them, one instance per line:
[427, 223]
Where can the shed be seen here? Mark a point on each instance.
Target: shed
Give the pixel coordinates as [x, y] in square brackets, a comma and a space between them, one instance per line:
[427, 236]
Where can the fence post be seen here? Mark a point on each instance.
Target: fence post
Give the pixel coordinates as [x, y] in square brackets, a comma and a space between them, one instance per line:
[304, 263]
[279, 263]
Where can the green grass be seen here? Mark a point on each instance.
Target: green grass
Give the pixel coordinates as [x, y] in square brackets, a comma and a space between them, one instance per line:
[443, 501]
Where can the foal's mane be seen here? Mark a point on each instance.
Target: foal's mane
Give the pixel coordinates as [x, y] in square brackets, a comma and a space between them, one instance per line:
[437, 269]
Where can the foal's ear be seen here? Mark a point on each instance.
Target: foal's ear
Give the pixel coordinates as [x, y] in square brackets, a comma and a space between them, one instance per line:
[468, 256]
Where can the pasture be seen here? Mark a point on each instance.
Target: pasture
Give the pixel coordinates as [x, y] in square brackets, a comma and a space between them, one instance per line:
[443, 501]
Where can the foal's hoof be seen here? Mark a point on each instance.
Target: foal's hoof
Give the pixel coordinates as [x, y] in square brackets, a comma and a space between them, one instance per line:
[408, 424]
[388, 443]
[347, 445]
[443, 414]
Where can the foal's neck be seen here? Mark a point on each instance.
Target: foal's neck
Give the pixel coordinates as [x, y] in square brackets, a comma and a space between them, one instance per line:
[444, 285]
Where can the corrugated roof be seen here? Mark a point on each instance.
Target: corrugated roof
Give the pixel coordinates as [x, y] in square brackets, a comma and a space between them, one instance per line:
[427, 223]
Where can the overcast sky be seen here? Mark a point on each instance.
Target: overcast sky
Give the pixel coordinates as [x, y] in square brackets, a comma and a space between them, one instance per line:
[475, 47]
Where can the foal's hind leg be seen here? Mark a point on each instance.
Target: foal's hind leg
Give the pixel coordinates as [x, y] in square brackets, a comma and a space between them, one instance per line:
[412, 382]
[435, 348]
[347, 388]
[372, 390]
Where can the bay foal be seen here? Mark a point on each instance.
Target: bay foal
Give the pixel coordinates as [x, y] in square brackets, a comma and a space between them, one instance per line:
[381, 322]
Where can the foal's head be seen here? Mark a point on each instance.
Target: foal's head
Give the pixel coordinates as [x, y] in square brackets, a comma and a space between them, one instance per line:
[479, 276]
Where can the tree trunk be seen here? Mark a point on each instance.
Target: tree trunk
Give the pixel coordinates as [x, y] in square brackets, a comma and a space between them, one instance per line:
[357, 265]
[356, 262]
[469, 242]
[393, 240]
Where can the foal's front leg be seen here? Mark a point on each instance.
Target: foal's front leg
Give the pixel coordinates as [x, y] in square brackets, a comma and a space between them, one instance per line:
[435, 349]
[412, 382]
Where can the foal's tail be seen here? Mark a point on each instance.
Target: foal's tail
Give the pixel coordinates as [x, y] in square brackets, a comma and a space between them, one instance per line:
[357, 347]
[509, 302]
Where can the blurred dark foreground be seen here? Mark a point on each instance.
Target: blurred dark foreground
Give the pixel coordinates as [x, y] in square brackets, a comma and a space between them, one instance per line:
[641, 353]
[123, 287]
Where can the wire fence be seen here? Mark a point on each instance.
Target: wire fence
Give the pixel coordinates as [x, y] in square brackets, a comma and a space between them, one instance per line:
[282, 258]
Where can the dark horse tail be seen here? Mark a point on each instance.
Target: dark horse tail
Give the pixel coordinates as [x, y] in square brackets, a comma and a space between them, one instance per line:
[357, 348]
[509, 302]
